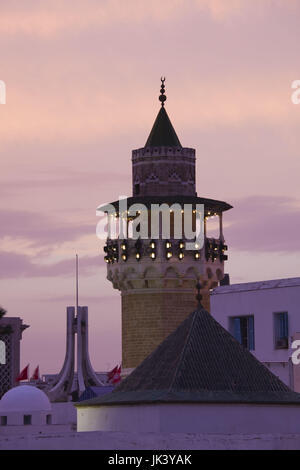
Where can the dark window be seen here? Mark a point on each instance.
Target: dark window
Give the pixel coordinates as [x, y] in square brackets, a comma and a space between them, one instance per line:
[137, 188]
[281, 327]
[27, 419]
[3, 420]
[49, 419]
[243, 331]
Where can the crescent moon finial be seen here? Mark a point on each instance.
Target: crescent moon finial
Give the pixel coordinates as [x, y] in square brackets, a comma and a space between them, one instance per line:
[162, 97]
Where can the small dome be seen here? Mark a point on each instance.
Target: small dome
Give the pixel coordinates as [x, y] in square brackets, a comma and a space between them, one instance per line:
[25, 398]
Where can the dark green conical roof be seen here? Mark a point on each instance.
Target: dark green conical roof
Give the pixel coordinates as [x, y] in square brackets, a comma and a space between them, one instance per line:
[199, 362]
[163, 133]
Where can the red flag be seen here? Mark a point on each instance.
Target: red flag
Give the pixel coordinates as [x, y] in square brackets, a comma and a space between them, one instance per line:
[23, 375]
[36, 374]
[117, 376]
[112, 373]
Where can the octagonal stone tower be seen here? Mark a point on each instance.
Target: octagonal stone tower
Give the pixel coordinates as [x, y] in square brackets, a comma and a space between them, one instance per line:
[157, 276]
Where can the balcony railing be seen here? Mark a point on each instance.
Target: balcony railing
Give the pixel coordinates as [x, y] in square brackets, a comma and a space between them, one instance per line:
[122, 250]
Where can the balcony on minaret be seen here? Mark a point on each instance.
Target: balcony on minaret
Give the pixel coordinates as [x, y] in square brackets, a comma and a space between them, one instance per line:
[142, 250]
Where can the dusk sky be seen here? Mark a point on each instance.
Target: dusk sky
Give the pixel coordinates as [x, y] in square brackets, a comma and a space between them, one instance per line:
[82, 81]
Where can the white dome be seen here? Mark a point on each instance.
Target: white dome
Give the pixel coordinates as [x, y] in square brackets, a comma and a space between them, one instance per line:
[25, 398]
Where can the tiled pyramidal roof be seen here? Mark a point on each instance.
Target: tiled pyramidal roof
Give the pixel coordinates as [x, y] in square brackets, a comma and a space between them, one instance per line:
[199, 362]
[163, 133]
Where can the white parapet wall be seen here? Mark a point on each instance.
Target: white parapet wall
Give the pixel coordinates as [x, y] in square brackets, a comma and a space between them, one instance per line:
[165, 441]
[192, 418]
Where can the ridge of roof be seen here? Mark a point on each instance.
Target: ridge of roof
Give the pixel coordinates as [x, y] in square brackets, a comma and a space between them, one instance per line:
[183, 351]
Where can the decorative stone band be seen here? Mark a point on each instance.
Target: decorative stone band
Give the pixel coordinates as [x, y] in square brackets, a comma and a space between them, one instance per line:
[163, 151]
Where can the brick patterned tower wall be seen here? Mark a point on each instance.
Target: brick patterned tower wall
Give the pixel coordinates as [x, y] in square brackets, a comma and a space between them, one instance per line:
[149, 317]
[163, 171]
[157, 295]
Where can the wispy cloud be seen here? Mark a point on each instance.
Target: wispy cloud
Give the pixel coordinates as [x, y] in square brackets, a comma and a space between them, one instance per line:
[40, 230]
[36, 17]
[264, 224]
[14, 266]
[241, 100]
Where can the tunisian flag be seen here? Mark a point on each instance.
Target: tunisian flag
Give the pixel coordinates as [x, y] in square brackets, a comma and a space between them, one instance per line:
[111, 374]
[23, 375]
[36, 374]
[117, 376]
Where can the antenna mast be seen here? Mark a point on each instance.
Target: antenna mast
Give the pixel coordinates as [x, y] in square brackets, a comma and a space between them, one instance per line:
[76, 285]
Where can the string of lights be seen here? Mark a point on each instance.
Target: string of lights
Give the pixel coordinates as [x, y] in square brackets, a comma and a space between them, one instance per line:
[213, 250]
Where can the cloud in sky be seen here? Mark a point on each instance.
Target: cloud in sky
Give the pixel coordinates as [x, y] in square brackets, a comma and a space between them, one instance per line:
[34, 244]
[264, 224]
[16, 265]
[87, 85]
[227, 102]
[260, 224]
[40, 230]
[37, 18]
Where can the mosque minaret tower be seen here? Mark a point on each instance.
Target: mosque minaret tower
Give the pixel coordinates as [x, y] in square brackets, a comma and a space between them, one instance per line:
[157, 276]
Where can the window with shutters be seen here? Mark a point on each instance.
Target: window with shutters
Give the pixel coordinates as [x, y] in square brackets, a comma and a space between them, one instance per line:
[242, 329]
[281, 330]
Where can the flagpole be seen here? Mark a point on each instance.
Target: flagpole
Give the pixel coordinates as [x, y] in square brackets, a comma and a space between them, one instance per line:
[76, 285]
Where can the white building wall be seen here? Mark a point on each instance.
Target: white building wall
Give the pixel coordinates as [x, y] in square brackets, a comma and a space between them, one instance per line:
[192, 418]
[118, 418]
[236, 300]
[63, 413]
[15, 418]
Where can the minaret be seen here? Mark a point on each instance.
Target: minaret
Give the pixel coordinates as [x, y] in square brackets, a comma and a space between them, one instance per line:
[157, 276]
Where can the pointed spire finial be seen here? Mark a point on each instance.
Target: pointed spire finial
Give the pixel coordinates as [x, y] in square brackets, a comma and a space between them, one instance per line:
[162, 97]
[199, 296]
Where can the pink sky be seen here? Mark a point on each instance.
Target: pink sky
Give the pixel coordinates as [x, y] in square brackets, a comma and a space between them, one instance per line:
[82, 85]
